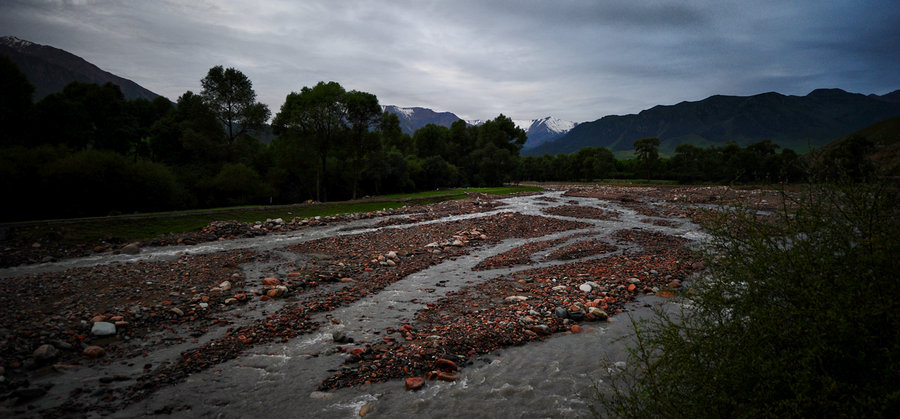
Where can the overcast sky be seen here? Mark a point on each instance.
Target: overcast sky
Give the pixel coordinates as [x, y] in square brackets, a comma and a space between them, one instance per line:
[574, 60]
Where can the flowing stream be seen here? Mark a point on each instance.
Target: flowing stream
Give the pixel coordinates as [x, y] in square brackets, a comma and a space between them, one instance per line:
[552, 378]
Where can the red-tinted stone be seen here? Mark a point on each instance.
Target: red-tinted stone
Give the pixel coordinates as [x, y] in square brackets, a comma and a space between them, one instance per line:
[414, 383]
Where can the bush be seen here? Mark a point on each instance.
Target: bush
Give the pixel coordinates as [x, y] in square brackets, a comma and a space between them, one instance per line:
[797, 317]
[237, 184]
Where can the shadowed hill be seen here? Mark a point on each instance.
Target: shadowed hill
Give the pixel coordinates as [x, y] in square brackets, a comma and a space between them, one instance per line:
[51, 69]
[798, 122]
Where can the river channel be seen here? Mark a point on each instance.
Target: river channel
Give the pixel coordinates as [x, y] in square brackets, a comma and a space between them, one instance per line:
[555, 377]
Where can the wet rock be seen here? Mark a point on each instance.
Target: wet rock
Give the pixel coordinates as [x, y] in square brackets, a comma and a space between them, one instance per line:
[278, 291]
[447, 376]
[94, 351]
[65, 368]
[541, 330]
[132, 248]
[596, 314]
[575, 313]
[271, 281]
[415, 383]
[366, 409]
[445, 365]
[45, 353]
[561, 312]
[320, 395]
[103, 329]
[576, 328]
[340, 337]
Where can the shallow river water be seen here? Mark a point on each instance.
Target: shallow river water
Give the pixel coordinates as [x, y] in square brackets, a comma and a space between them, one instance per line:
[552, 378]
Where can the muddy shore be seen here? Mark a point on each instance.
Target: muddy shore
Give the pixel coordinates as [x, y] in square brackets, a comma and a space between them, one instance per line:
[410, 299]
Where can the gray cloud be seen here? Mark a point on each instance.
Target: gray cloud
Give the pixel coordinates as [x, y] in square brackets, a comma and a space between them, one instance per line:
[576, 60]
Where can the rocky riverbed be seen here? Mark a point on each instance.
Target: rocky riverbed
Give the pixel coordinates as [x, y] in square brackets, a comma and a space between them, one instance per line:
[390, 313]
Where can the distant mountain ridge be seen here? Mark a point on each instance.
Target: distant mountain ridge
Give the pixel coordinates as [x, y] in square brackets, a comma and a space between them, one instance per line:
[798, 122]
[545, 130]
[50, 69]
[539, 130]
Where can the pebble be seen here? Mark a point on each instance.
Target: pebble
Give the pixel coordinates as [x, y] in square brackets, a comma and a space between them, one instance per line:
[561, 312]
[103, 329]
[340, 337]
[132, 248]
[45, 352]
[447, 376]
[320, 395]
[597, 314]
[516, 298]
[585, 288]
[445, 365]
[415, 383]
[177, 311]
[94, 351]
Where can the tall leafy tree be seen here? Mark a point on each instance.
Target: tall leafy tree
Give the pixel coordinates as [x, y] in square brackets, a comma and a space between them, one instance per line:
[318, 114]
[647, 155]
[230, 95]
[363, 112]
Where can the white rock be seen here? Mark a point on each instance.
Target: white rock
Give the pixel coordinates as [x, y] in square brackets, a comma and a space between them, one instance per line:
[103, 329]
[514, 298]
[225, 285]
[585, 288]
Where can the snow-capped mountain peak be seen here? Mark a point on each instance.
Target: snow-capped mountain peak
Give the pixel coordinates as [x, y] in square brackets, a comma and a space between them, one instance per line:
[557, 125]
[16, 43]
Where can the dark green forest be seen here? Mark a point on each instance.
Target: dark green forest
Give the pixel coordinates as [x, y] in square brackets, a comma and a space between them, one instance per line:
[88, 151]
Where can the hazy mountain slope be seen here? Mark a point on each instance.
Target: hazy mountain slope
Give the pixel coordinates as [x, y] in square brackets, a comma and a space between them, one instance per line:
[50, 69]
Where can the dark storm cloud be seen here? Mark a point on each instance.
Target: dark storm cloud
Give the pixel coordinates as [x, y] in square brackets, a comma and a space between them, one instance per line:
[576, 60]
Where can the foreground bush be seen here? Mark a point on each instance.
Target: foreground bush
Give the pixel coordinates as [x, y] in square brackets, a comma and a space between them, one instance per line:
[799, 316]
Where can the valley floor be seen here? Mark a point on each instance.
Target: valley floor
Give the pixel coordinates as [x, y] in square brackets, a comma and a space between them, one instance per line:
[353, 314]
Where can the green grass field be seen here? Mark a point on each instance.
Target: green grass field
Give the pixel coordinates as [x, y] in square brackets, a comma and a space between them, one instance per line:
[145, 226]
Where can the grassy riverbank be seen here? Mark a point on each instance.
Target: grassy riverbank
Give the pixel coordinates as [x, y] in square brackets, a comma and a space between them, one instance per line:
[144, 226]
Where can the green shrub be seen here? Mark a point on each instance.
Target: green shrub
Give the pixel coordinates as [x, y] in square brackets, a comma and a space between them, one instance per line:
[798, 316]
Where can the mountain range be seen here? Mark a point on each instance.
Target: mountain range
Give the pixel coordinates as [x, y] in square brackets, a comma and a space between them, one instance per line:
[50, 69]
[798, 122]
[539, 130]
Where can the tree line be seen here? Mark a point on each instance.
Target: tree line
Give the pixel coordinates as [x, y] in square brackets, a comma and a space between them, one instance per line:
[88, 151]
[728, 164]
